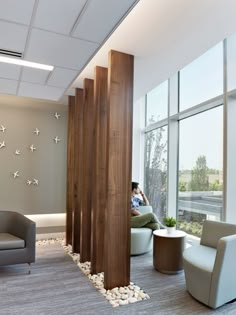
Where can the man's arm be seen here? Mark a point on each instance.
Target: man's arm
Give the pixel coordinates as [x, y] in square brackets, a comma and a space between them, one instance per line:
[145, 200]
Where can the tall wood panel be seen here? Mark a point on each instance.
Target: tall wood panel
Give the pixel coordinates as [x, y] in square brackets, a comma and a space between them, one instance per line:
[78, 168]
[99, 196]
[87, 179]
[70, 170]
[119, 152]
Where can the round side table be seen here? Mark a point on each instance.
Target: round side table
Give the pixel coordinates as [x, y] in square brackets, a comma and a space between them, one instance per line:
[167, 251]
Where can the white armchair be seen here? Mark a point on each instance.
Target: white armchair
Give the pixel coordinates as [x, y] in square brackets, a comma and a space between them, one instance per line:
[210, 267]
[141, 238]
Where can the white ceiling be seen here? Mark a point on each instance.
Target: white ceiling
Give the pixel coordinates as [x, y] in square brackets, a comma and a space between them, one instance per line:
[62, 33]
[164, 36]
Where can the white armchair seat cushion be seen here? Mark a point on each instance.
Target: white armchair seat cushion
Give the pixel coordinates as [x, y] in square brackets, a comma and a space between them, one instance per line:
[201, 257]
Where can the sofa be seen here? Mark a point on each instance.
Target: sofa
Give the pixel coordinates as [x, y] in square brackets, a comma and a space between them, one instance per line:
[141, 238]
[17, 239]
[210, 267]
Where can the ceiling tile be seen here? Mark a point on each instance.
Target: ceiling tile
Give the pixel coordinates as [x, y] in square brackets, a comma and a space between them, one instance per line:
[58, 16]
[16, 11]
[13, 36]
[9, 71]
[8, 86]
[100, 18]
[61, 77]
[59, 50]
[40, 91]
[34, 75]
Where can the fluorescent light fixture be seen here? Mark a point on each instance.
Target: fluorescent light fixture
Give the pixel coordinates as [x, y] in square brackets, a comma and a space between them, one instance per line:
[25, 63]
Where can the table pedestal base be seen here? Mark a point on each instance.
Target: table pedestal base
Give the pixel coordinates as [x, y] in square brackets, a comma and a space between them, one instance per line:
[167, 251]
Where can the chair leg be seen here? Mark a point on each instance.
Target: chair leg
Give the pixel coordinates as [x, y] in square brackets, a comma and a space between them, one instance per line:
[29, 268]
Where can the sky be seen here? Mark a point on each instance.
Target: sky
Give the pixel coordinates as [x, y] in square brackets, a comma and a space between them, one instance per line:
[202, 134]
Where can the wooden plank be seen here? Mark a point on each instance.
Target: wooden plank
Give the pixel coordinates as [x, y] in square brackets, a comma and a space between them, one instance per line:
[70, 167]
[120, 111]
[99, 198]
[87, 180]
[78, 168]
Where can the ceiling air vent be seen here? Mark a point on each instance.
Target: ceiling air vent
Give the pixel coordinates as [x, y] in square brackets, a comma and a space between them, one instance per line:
[10, 53]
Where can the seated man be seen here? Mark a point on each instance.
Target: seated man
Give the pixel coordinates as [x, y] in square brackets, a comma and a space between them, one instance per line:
[148, 220]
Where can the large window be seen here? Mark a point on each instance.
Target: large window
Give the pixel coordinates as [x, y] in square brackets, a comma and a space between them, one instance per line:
[192, 118]
[157, 104]
[156, 170]
[202, 79]
[200, 169]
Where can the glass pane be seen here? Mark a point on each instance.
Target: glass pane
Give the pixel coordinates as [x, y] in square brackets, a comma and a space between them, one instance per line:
[156, 170]
[230, 125]
[202, 79]
[200, 169]
[231, 63]
[157, 104]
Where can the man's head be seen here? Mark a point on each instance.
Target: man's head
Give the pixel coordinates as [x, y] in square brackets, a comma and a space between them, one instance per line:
[135, 188]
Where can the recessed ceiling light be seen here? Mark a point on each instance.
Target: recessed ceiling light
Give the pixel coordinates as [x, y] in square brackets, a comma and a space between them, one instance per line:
[25, 63]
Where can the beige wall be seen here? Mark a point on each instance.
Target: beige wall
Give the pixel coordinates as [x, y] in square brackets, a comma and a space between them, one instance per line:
[47, 164]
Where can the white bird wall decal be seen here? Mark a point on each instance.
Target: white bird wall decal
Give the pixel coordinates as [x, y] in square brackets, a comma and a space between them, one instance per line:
[16, 174]
[2, 128]
[35, 181]
[57, 116]
[32, 148]
[2, 144]
[36, 131]
[57, 139]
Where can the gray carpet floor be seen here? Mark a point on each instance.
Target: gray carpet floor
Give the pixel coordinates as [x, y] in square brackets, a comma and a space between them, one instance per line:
[57, 286]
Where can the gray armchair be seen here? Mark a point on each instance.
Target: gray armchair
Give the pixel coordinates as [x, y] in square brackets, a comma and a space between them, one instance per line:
[17, 239]
[210, 267]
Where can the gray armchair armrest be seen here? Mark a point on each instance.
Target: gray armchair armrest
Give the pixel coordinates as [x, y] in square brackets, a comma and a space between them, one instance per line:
[25, 229]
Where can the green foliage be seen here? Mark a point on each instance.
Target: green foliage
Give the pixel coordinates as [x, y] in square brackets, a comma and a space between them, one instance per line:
[199, 173]
[193, 228]
[213, 171]
[182, 186]
[216, 186]
[170, 221]
[182, 172]
[156, 169]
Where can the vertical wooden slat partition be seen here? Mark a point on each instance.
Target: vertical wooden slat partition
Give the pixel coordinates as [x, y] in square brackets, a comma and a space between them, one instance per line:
[70, 170]
[99, 194]
[87, 180]
[78, 168]
[119, 150]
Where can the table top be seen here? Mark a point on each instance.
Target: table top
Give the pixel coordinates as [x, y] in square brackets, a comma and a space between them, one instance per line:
[163, 233]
